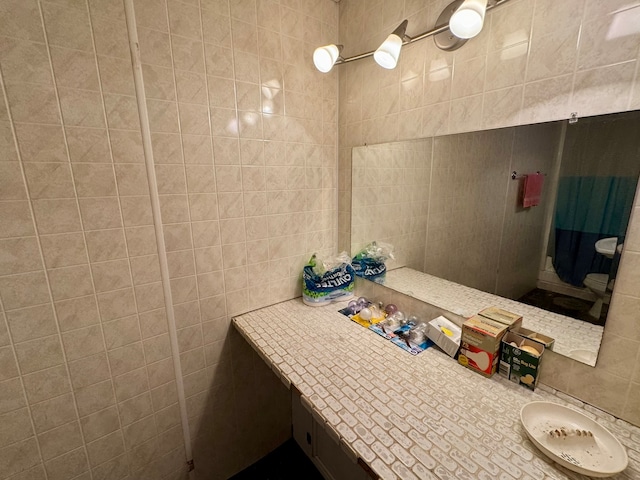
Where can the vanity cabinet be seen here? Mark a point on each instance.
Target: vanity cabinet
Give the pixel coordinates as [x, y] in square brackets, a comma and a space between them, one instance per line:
[324, 452]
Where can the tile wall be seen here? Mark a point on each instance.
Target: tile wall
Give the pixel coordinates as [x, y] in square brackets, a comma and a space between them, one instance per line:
[244, 135]
[391, 199]
[535, 61]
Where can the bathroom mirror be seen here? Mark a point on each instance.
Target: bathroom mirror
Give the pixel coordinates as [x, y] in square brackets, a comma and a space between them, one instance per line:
[452, 207]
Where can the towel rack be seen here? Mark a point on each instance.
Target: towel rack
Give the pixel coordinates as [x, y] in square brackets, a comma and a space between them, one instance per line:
[515, 176]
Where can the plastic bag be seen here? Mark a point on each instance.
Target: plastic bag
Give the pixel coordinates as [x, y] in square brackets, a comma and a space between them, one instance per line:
[369, 262]
[328, 280]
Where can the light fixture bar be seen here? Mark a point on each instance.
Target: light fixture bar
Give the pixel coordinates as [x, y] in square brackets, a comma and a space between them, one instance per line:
[407, 40]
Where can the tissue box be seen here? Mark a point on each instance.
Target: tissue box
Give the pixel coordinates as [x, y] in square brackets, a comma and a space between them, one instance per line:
[513, 321]
[519, 363]
[537, 337]
[438, 332]
[480, 346]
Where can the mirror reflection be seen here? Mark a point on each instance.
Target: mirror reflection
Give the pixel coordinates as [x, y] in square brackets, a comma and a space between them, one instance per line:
[454, 209]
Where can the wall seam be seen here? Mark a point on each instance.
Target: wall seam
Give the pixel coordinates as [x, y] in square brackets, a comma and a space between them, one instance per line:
[145, 130]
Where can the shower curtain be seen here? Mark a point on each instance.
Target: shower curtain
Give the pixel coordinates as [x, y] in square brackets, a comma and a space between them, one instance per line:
[588, 209]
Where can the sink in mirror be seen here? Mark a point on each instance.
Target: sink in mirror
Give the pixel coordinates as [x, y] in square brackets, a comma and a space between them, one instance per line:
[454, 214]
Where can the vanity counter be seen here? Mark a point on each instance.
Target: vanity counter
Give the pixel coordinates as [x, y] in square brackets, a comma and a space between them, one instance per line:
[407, 416]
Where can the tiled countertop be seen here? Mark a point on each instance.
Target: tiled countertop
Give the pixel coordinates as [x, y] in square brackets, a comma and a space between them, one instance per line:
[407, 416]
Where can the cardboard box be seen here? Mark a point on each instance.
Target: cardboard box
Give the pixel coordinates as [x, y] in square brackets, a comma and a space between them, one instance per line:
[480, 347]
[520, 360]
[445, 334]
[513, 321]
[537, 337]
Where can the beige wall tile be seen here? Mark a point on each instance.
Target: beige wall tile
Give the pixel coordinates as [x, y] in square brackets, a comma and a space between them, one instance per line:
[18, 255]
[135, 409]
[157, 348]
[81, 108]
[154, 47]
[105, 448]
[41, 143]
[70, 282]
[119, 467]
[166, 148]
[117, 304]
[174, 208]
[100, 213]
[77, 313]
[33, 103]
[94, 180]
[132, 179]
[49, 180]
[11, 395]
[152, 14]
[60, 440]
[183, 289]
[112, 275]
[153, 323]
[149, 297]
[46, 384]
[66, 466]
[139, 432]
[23, 290]
[131, 384]
[15, 426]
[12, 185]
[160, 372]
[83, 342]
[141, 240]
[187, 54]
[39, 354]
[22, 19]
[21, 457]
[53, 413]
[16, 218]
[111, 37]
[94, 398]
[89, 371]
[122, 111]
[100, 423]
[125, 359]
[191, 87]
[67, 27]
[116, 75]
[31, 323]
[159, 82]
[24, 61]
[181, 263]
[136, 211]
[74, 69]
[121, 332]
[56, 216]
[171, 179]
[105, 245]
[126, 146]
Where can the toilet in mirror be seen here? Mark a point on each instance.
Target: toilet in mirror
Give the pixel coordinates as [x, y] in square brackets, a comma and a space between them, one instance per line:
[452, 207]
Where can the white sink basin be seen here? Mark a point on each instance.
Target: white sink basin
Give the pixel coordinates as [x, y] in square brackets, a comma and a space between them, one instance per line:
[607, 246]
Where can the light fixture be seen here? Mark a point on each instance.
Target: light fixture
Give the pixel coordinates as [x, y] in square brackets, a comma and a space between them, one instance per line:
[459, 21]
[388, 53]
[468, 19]
[324, 58]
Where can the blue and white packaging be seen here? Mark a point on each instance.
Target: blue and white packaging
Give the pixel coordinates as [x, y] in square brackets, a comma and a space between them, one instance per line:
[330, 281]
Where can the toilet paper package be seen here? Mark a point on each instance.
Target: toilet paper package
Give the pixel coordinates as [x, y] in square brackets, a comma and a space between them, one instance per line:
[520, 360]
[480, 345]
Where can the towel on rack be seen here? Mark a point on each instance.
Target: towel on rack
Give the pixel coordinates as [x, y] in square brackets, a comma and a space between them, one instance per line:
[532, 190]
